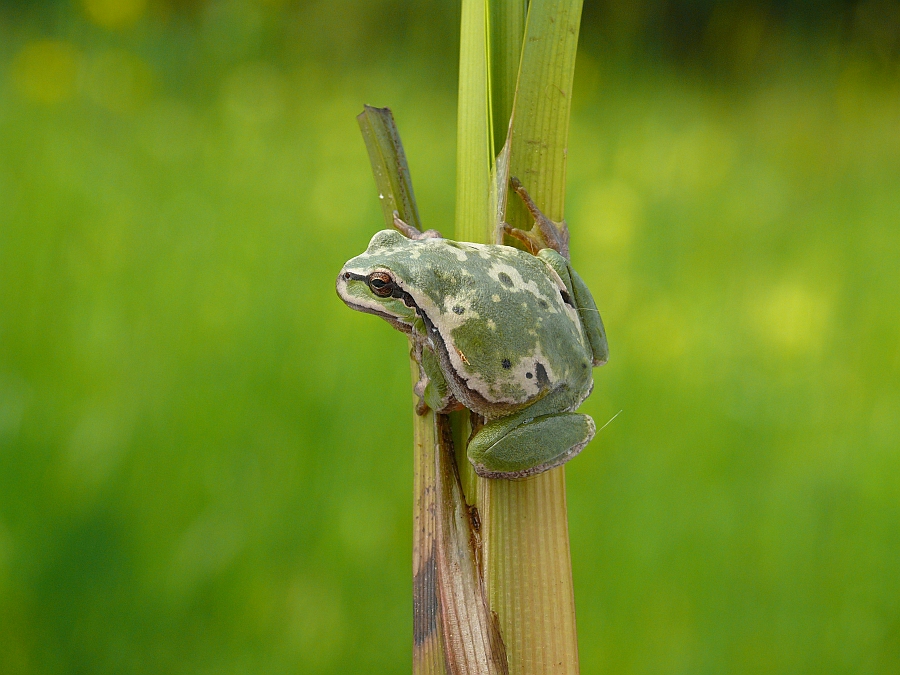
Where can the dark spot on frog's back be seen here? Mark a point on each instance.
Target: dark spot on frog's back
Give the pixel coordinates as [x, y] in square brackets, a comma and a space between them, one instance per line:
[504, 279]
[541, 371]
[543, 303]
[506, 364]
[458, 310]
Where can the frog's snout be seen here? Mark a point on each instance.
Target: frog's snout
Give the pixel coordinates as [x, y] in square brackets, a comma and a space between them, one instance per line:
[340, 284]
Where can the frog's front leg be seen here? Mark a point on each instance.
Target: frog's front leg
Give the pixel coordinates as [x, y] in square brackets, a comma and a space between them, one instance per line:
[431, 388]
[411, 232]
[545, 233]
[519, 446]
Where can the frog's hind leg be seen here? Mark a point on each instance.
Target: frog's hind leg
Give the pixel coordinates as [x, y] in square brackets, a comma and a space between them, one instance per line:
[513, 448]
[580, 297]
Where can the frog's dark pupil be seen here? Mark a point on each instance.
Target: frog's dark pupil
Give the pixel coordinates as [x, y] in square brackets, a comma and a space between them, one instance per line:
[503, 277]
[458, 310]
[506, 364]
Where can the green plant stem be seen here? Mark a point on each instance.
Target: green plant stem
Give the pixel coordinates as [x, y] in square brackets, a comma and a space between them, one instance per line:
[528, 571]
[524, 524]
[428, 641]
[454, 631]
[474, 149]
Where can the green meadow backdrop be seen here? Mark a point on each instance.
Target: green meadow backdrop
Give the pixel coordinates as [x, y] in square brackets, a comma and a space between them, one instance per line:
[205, 460]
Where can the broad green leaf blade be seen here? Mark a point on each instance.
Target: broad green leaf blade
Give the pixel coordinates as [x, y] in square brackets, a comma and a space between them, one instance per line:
[392, 178]
[540, 126]
[474, 147]
[507, 25]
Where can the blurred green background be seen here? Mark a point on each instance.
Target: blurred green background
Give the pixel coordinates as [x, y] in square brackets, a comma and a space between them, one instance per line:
[205, 459]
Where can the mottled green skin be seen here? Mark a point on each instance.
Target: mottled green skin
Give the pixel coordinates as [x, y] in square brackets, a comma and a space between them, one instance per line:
[494, 332]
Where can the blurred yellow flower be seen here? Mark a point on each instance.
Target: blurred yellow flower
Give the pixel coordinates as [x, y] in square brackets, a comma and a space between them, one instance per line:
[46, 71]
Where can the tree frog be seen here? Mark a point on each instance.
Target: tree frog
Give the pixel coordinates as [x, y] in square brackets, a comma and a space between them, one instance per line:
[510, 335]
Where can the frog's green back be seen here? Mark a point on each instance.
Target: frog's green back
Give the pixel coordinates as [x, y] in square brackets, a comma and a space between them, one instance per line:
[503, 322]
[499, 312]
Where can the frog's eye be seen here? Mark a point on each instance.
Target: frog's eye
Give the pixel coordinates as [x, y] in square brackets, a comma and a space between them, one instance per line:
[381, 284]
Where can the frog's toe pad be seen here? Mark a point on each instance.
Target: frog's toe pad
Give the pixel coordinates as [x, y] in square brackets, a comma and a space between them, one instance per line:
[531, 448]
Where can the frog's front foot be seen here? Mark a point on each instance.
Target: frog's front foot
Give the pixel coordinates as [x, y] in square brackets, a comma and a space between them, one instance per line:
[545, 233]
[501, 450]
[419, 390]
[411, 232]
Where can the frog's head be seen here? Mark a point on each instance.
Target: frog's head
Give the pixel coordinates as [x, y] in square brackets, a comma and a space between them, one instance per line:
[372, 282]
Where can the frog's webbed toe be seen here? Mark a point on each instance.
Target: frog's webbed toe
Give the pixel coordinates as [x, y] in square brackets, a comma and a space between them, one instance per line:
[538, 445]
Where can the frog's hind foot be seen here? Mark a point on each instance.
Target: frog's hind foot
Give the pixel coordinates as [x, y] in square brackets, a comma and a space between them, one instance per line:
[411, 232]
[545, 233]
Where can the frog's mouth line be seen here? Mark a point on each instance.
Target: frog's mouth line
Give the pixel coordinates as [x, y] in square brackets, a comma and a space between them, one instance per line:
[343, 277]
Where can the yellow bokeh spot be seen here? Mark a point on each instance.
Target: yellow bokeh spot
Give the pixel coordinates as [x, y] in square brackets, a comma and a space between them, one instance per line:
[792, 318]
[114, 13]
[46, 71]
